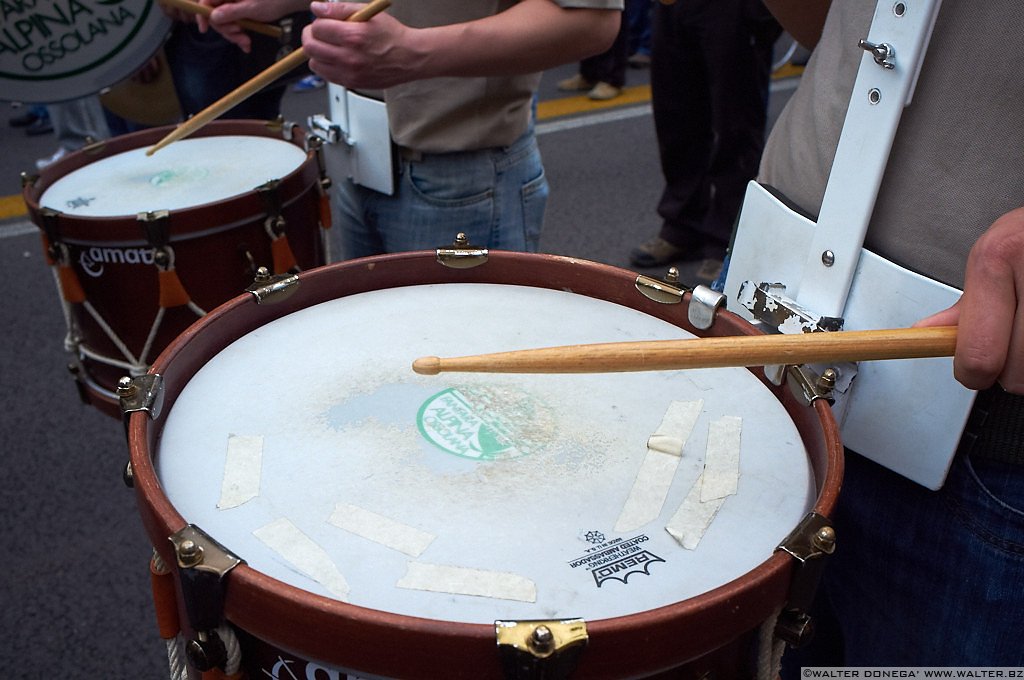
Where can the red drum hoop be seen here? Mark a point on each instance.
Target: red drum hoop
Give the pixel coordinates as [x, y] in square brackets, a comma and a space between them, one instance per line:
[714, 630]
[108, 270]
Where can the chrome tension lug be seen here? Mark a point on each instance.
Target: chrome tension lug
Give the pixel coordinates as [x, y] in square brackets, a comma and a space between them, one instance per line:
[271, 288]
[462, 254]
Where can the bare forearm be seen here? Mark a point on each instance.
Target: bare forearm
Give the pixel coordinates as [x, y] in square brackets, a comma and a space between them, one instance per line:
[802, 19]
[531, 36]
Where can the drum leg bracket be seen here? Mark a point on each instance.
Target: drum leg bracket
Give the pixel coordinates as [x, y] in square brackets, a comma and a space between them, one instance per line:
[810, 543]
[202, 565]
[540, 650]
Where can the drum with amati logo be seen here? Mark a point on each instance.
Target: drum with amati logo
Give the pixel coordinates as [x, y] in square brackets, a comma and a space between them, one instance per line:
[318, 510]
[142, 246]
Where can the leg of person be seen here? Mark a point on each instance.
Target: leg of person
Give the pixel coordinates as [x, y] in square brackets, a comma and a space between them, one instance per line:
[682, 121]
[496, 197]
[355, 207]
[932, 578]
[608, 69]
[738, 47]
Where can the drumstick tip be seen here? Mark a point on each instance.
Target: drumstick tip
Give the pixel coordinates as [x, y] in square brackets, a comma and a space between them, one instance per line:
[427, 365]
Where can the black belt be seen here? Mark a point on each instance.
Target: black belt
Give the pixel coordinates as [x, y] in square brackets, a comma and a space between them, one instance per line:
[995, 428]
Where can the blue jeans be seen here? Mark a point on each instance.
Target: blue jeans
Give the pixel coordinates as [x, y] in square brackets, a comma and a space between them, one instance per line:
[923, 578]
[494, 196]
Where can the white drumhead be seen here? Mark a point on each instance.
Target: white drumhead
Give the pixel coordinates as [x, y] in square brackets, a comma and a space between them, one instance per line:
[55, 52]
[470, 497]
[185, 174]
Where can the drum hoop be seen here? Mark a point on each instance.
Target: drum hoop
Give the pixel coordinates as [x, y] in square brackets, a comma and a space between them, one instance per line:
[194, 221]
[313, 626]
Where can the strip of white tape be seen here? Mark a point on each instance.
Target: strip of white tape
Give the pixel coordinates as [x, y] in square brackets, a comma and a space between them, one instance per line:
[380, 529]
[693, 517]
[303, 553]
[243, 467]
[718, 481]
[440, 578]
[722, 460]
[658, 469]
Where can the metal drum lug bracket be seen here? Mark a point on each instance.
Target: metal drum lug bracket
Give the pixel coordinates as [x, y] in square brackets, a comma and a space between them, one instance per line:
[267, 288]
[809, 543]
[326, 129]
[704, 306]
[667, 291]
[769, 304]
[540, 650]
[461, 254]
[202, 565]
[808, 386]
[141, 393]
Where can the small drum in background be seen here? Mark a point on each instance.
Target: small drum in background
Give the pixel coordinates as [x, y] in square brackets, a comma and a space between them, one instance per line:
[144, 245]
[57, 53]
[322, 511]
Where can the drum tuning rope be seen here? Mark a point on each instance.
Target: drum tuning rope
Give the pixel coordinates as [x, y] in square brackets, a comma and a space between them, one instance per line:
[165, 604]
[769, 649]
[232, 666]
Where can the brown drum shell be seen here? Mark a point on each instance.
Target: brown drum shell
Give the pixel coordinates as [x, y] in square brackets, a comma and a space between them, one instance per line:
[217, 247]
[715, 630]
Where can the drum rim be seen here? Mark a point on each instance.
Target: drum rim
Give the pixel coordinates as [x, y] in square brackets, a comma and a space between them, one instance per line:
[191, 222]
[618, 646]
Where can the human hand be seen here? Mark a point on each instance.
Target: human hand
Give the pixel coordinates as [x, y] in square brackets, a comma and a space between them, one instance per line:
[227, 13]
[990, 314]
[373, 54]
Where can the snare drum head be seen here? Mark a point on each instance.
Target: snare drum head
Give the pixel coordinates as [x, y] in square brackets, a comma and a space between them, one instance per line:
[188, 173]
[309, 448]
[61, 51]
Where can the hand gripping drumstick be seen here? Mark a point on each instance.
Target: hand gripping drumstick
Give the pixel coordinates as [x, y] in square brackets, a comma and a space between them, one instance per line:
[745, 350]
[255, 84]
[196, 8]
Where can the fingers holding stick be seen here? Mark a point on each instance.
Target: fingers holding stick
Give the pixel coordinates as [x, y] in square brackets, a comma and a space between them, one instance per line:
[257, 83]
[204, 11]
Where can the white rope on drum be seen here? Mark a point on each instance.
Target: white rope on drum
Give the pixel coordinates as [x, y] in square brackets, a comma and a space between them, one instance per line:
[176, 662]
[234, 650]
[769, 649]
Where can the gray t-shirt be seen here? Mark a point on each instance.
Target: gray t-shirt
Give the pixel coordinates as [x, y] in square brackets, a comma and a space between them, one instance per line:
[957, 162]
[461, 114]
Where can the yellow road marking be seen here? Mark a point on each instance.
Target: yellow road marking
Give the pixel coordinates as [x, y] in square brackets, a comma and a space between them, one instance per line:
[11, 206]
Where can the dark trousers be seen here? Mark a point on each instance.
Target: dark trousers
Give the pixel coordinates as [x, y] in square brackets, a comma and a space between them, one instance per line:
[205, 67]
[609, 66]
[710, 71]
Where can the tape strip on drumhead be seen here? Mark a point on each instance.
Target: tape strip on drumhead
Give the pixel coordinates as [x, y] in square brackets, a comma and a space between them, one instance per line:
[722, 460]
[380, 529]
[440, 578]
[303, 553]
[718, 481]
[243, 467]
[664, 449]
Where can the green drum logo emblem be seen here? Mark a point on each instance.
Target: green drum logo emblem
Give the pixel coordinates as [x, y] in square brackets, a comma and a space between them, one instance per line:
[484, 423]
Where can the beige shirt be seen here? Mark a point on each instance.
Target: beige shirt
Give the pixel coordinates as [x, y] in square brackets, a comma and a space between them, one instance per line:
[460, 114]
[957, 163]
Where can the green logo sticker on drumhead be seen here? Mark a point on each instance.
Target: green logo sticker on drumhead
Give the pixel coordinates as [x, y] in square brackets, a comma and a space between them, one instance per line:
[483, 423]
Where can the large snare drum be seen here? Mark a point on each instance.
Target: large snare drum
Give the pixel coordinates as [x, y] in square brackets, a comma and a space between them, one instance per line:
[406, 526]
[143, 245]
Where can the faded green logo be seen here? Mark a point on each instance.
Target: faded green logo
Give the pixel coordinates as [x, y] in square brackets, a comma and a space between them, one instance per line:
[484, 423]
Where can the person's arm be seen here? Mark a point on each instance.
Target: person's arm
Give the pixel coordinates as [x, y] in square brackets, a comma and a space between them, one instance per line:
[530, 36]
[990, 314]
[227, 13]
[802, 19]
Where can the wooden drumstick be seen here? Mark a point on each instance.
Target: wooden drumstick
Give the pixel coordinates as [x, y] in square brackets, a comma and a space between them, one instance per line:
[247, 24]
[717, 352]
[256, 83]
